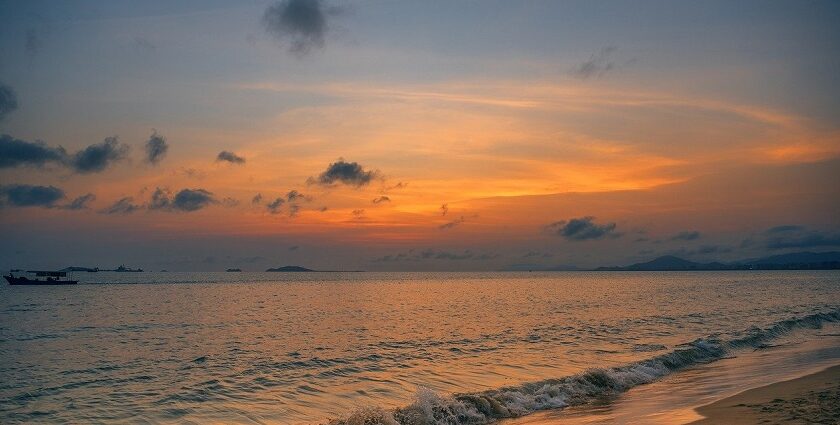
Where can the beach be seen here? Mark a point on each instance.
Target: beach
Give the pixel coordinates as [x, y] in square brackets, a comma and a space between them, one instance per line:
[811, 399]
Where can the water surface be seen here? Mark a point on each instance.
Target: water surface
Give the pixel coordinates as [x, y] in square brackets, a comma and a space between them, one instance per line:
[295, 348]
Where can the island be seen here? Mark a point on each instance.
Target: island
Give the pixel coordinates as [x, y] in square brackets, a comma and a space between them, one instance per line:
[233, 270]
[290, 269]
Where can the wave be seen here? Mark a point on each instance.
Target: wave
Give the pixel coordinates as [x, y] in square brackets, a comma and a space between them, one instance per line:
[430, 408]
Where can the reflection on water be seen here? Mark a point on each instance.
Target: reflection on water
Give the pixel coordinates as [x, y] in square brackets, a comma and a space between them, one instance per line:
[299, 348]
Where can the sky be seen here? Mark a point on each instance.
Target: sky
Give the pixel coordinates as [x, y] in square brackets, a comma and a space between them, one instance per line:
[403, 135]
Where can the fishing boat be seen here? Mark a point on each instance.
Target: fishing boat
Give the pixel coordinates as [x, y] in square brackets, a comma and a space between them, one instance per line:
[39, 277]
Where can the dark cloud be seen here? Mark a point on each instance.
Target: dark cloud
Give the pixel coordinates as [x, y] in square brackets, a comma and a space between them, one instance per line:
[453, 223]
[24, 195]
[784, 229]
[231, 157]
[598, 65]
[98, 157]
[444, 209]
[257, 199]
[300, 23]
[295, 196]
[275, 205]
[804, 239]
[8, 101]
[686, 236]
[16, 152]
[435, 255]
[80, 203]
[358, 214]
[294, 248]
[293, 210]
[123, 206]
[349, 173]
[381, 199]
[399, 185]
[156, 148]
[187, 200]
[583, 228]
[229, 202]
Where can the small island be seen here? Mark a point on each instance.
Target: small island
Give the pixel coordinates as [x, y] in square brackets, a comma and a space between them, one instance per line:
[290, 269]
[233, 270]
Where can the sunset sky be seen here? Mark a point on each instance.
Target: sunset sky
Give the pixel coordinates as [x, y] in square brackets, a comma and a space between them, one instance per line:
[416, 135]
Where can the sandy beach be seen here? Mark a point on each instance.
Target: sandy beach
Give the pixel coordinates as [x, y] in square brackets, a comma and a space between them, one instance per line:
[812, 399]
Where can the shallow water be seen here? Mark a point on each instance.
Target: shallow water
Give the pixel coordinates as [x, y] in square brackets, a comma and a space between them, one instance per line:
[300, 348]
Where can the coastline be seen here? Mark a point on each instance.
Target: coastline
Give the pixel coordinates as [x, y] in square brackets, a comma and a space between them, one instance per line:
[813, 398]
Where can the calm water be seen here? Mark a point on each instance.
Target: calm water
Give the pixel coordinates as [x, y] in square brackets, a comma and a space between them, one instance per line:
[303, 348]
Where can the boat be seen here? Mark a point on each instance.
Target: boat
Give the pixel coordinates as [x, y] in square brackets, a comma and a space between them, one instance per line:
[40, 277]
[123, 269]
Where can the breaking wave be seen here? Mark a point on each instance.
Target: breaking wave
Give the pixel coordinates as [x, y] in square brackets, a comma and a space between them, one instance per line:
[484, 407]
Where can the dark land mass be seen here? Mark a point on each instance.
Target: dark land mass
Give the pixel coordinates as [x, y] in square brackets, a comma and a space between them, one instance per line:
[793, 261]
[290, 269]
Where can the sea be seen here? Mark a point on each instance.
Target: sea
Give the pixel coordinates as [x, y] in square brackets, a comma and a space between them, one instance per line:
[407, 348]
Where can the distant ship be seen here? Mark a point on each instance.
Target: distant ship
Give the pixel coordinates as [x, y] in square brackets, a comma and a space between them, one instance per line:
[38, 277]
[233, 270]
[124, 269]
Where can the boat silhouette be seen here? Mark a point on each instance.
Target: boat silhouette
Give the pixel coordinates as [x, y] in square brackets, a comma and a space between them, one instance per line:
[40, 277]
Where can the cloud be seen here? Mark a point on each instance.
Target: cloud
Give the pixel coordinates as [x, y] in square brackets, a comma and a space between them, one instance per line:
[803, 239]
[96, 158]
[784, 229]
[399, 185]
[444, 209]
[16, 152]
[122, 206]
[187, 200]
[80, 203]
[686, 236]
[300, 23]
[583, 228]
[453, 223]
[8, 101]
[156, 148]
[434, 255]
[349, 173]
[257, 199]
[358, 214]
[24, 195]
[294, 248]
[274, 206]
[293, 210]
[381, 199]
[598, 64]
[231, 157]
[295, 196]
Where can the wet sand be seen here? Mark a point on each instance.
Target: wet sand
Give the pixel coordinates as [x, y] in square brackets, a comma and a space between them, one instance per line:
[812, 399]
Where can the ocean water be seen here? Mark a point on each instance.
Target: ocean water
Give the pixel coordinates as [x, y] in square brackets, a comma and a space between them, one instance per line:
[292, 348]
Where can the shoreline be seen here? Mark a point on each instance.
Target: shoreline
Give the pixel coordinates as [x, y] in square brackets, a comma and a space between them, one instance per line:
[813, 398]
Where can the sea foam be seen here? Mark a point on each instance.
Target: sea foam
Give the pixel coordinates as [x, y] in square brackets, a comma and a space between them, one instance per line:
[430, 408]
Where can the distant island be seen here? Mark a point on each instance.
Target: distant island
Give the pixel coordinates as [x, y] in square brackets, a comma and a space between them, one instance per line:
[290, 269]
[793, 261]
[233, 270]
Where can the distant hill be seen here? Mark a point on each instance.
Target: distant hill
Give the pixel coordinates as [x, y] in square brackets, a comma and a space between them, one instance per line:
[792, 261]
[668, 263]
[290, 269]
